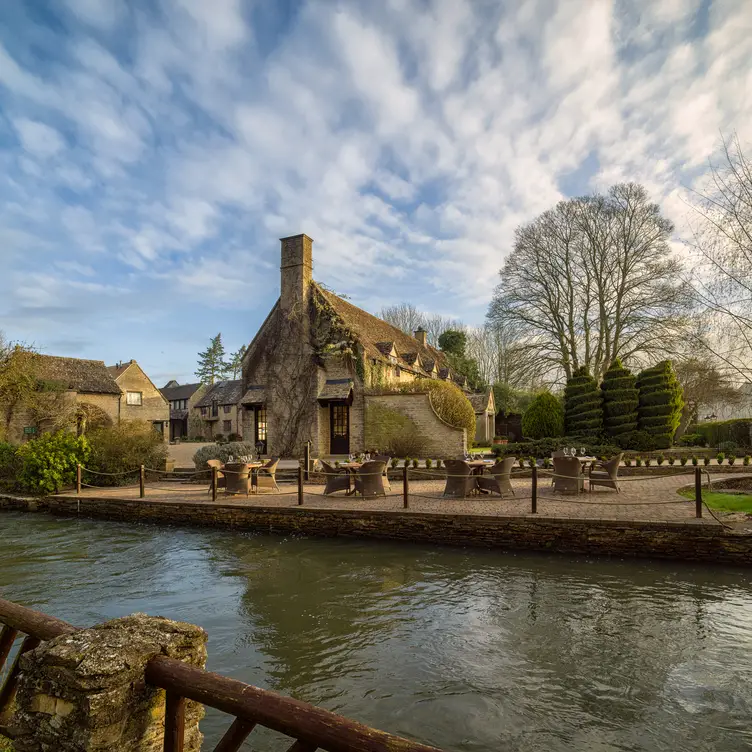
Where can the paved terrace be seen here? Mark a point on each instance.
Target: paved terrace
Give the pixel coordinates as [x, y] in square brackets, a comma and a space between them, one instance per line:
[643, 498]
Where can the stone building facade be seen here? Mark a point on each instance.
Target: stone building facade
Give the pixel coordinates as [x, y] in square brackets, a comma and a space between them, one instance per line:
[316, 361]
[485, 416]
[181, 399]
[218, 412]
[140, 398]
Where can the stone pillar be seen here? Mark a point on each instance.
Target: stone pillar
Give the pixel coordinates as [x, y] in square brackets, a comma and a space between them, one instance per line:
[86, 691]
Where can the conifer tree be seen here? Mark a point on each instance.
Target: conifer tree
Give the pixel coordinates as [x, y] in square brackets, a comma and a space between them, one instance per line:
[211, 362]
[620, 400]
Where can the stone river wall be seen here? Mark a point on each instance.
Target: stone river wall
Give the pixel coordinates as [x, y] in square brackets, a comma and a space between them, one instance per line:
[691, 541]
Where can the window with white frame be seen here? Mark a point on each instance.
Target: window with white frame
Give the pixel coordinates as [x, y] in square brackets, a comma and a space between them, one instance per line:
[134, 398]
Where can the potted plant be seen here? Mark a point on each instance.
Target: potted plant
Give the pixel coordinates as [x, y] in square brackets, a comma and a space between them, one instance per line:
[500, 440]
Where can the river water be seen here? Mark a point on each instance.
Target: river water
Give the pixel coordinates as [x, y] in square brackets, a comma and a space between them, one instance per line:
[463, 649]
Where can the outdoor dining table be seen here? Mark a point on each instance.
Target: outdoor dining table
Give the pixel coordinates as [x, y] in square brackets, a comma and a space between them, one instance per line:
[240, 468]
[352, 470]
[477, 467]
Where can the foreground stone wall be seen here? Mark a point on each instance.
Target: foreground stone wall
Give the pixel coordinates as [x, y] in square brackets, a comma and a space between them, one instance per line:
[666, 540]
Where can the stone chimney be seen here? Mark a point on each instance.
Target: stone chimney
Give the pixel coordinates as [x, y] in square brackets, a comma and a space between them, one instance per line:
[296, 272]
[421, 335]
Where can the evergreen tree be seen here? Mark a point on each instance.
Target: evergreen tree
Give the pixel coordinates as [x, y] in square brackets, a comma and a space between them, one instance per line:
[211, 362]
[583, 405]
[452, 343]
[620, 401]
[661, 403]
[544, 418]
[235, 364]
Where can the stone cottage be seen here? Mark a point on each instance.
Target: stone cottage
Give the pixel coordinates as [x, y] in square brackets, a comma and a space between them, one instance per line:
[485, 416]
[219, 410]
[140, 398]
[316, 363]
[181, 399]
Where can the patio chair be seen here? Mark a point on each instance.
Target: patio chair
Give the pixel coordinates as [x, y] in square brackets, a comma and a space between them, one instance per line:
[460, 479]
[238, 478]
[337, 479]
[499, 478]
[568, 477]
[607, 474]
[220, 475]
[266, 476]
[554, 455]
[386, 459]
[369, 480]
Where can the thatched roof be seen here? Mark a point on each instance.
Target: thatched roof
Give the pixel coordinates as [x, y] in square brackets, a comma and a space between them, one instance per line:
[179, 391]
[85, 376]
[223, 393]
[377, 337]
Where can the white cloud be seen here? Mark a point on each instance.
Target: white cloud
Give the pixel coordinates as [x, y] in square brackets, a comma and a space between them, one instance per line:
[38, 139]
[103, 14]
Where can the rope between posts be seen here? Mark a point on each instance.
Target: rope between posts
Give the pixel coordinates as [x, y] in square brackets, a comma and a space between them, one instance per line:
[175, 473]
[620, 478]
[89, 485]
[96, 472]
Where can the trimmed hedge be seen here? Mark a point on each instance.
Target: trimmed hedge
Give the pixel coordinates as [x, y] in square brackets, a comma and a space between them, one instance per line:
[544, 418]
[620, 402]
[546, 447]
[583, 405]
[738, 430]
[661, 403]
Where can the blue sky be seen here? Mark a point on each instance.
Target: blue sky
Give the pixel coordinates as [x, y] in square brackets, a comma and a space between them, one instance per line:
[154, 151]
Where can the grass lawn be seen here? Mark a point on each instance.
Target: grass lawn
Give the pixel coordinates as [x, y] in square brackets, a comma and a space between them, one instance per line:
[481, 450]
[724, 502]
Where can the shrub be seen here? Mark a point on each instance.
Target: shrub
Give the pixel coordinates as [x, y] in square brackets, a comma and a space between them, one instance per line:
[438, 464]
[638, 462]
[583, 405]
[671, 460]
[620, 401]
[449, 402]
[221, 452]
[647, 461]
[732, 459]
[706, 459]
[683, 461]
[727, 447]
[544, 418]
[638, 441]
[720, 457]
[692, 439]
[531, 461]
[546, 447]
[415, 463]
[123, 448]
[726, 430]
[49, 462]
[396, 433]
[627, 462]
[394, 462]
[547, 462]
[407, 462]
[746, 460]
[234, 437]
[521, 462]
[661, 403]
[219, 437]
[694, 461]
[10, 463]
[429, 464]
[660, 459]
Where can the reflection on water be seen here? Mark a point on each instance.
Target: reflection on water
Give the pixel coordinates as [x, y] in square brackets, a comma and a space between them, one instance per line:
[463, 649]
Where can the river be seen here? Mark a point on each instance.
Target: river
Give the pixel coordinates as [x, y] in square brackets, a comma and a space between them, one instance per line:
[464, 649]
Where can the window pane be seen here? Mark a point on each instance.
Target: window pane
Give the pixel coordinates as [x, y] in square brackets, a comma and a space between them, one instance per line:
[133, 398]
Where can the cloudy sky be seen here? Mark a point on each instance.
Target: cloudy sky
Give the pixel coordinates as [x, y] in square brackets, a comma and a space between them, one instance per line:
[153, 151]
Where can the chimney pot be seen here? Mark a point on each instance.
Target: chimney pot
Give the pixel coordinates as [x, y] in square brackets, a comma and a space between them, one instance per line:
[296, 270]
[421, 335]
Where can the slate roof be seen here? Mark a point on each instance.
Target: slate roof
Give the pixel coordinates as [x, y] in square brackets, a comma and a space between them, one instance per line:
[223, 393]
[377, 336]
[85, 376]
[119, 369]
[336, 389]
[179, 391]
[178, 414]
[254, 395]
[480, 401]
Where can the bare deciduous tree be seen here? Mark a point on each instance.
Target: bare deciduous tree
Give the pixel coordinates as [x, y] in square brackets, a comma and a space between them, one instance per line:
[722, 281]
[407, 318]
[594, 279]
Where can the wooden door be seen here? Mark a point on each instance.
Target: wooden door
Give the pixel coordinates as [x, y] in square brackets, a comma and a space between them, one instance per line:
[260, 428]
[339, 428]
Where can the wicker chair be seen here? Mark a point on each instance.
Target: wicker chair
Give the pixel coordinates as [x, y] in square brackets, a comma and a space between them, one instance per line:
[386, 459]
[238, 478]
[336, 479]
[369, 480]
[266, 476]
[607, 474]
[460, 479]
[220, 475]
[568, 477]
[554, 455]
[499, 478]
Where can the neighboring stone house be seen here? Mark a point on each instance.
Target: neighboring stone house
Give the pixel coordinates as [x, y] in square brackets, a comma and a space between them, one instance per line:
[84, 393]
[309, 371]
[141, 400]
[181, 398]
[485, 416]
[220, 410]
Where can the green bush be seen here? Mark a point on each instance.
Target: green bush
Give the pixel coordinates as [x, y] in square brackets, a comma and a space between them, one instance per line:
[746, 460]
[416, 463]
[660, 459]
[394, 462]
[438, 464]
[694, 461]
[706, 459]
[683, 461]
[429, 464]
[627, 462]
[49, 462]
[546, 447]
[122, 449]
[449, 402]
[732, 459]
[725, 430]
[10, 464]
[638, 462]
[720, 457]
[728, 446]
[544, 418]
[638, 441]
[661, 403]
[234, 437]
[583, 405]
[620, 401]
[222, 452]
[671, 460]
[692, 439]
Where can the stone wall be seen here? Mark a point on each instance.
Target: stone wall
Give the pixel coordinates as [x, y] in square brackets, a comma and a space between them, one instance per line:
[664, 540]
[153, 408]
[442, 441]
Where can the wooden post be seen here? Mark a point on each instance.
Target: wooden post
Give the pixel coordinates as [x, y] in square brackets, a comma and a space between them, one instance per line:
[534, 493]
[307, 459]
[698, 492]
[174, 733]
[405, 489]
[141, 482]
[78, 480]
[300, 486]
[214, 483]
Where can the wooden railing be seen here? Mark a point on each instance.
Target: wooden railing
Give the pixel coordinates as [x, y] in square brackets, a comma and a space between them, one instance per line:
[311, 727]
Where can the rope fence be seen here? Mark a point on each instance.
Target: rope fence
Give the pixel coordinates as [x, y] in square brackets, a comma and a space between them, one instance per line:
[370, 484]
